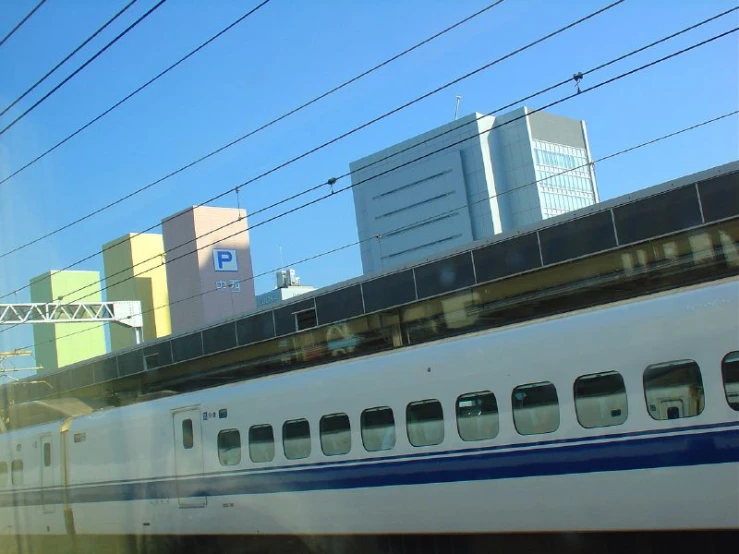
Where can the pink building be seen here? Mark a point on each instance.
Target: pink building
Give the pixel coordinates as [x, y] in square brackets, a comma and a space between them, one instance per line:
[207, 282]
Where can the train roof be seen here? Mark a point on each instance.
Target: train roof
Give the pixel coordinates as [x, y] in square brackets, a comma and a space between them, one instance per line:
[689, 202]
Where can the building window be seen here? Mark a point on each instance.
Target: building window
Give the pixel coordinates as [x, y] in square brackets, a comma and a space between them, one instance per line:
[378, 429]
[229, 447]
[425, 423]
[305, 319]
[477, 416]
[336, 434]
[187, 435]
[674, 390]
[535, 408]
[261, 444]
[47, 454]
[151, 360]
[16, 471]
[560, 156]
[296, 439]
[3, 474]
[730, 371]
[600, 400]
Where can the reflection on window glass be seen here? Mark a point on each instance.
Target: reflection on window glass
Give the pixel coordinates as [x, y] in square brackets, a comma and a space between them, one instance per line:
[425, 420]
[229, 447]
[535, 408]
[47, 454]
[187, 436]
[261, 443]
[378, 429]
[674, 390]
[600, 400]
[562, 192]
[296, 439]
[3, 474]
[730, 371]
[477, 416]
[16, 470]
[336, 434]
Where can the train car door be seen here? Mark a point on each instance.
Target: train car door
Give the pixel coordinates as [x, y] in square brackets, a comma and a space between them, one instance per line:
[188, 457]
[47, 474]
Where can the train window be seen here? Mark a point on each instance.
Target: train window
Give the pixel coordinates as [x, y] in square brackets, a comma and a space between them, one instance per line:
[16, 471]
[378, 429]
[674, 390]
[47, 454]
[535, 408]
[229, 447]
[261, 443]
[296, 439]
[600, 400]
[336, 434]
[3, 474]
[187, 436]
[425, 422]
[477, 416]
[730, 371]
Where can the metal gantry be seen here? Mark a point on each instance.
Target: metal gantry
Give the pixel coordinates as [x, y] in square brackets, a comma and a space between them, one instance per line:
[127, 313]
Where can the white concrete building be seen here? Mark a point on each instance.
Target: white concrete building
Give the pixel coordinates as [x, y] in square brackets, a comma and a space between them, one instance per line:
[470, 179]
[288, 286]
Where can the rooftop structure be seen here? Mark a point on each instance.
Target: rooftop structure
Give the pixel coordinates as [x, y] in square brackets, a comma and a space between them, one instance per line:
[288, 286]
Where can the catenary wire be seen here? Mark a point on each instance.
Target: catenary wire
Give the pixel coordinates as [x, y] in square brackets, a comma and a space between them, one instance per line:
[322, 185]
[21, 22]
[302, 206]
[236, 189]
[83, 66]
[122, 101]
[225, 146]
[431, 218]
[68, 56]
[354, 130]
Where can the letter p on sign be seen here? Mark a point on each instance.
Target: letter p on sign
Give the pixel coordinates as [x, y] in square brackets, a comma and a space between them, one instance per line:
[225, 260]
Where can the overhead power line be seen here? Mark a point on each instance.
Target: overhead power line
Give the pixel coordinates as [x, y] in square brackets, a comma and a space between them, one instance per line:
[126, 98]
[236, 188]
[322, 185]
[409, 162]
[431, 218]
[83, 66]
[21, 22]
[72, 53]
[345, 135]
[225, 146]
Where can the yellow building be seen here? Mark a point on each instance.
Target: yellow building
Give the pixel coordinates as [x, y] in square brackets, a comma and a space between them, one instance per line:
[135, 270]
[60, 344]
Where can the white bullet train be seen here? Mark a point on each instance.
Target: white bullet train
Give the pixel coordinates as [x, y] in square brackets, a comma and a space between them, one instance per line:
[623, 417]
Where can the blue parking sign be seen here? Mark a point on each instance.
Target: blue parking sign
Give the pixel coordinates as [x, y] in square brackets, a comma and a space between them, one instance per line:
[225, 260]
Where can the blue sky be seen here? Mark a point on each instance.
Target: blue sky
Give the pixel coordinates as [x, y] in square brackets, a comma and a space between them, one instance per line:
[291, 51]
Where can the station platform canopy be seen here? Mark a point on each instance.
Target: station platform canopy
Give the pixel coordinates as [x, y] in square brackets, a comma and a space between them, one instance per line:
[674, 234]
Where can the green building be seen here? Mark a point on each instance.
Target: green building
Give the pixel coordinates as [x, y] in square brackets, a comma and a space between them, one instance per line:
[61, 344]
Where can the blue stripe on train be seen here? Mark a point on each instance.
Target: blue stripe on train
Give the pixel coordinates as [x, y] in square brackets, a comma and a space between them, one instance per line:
[713, 447]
